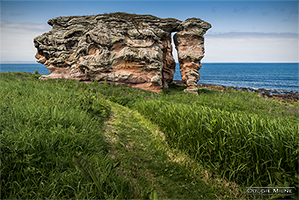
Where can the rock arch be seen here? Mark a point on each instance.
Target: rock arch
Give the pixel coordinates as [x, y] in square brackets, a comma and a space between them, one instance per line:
[123, 48]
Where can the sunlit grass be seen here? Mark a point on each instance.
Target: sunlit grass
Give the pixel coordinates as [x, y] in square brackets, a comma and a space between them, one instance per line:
[250, 149]
[43, 126]
[52, 144]
[243, 137]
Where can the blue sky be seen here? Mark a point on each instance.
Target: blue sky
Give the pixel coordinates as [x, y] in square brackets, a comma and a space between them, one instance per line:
[242, 31]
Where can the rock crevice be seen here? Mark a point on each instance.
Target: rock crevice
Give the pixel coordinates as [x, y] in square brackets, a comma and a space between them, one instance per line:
[122, 48]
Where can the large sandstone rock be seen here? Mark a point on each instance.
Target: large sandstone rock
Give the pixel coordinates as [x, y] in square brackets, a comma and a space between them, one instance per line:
[189, 43]
[122, 48]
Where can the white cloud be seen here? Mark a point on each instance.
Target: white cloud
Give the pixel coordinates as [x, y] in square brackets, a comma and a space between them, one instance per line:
[17, 40]
[17, 45]
[251, 47]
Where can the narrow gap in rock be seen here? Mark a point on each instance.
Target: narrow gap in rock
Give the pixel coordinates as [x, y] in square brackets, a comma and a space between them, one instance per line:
[177, 73]
[174, 51]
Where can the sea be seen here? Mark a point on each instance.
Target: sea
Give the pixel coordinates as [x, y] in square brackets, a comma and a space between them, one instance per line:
[272, 76]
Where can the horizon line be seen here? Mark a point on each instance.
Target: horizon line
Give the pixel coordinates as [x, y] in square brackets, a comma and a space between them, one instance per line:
[34, 62]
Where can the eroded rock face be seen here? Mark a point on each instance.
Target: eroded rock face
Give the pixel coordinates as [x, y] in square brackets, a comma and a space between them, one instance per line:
[189, 43]
[122, 48]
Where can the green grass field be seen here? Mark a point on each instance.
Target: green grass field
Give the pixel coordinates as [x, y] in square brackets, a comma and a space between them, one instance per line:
[66, 139]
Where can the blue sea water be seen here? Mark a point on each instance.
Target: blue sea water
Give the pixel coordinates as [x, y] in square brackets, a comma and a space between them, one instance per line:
[24, 68]
[274, 76]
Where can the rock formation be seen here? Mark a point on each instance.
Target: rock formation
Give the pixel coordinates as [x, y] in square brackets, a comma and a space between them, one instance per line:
[122, 48]
[189, 42]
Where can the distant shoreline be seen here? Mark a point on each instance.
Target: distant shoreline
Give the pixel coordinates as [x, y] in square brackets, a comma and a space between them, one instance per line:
[274, 94]
[272, 91]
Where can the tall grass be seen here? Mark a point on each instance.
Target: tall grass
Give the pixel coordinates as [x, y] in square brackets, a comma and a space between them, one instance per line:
[236, 101]
[248, 148]
[245, 138]
[48, 128]
[52, 144]
[228, 100]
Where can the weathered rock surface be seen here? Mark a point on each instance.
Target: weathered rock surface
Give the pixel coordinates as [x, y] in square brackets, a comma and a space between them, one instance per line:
[189, 43]
[122, 48]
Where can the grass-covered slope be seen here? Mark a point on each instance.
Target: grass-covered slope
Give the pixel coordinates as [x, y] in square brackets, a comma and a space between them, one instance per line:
[249, 149]
[47, 130]
[152, 166]
[55, 142]
[241, 136]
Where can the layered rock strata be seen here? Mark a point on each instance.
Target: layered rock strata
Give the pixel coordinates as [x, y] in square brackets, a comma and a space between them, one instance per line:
[189, 43]
[122, 48]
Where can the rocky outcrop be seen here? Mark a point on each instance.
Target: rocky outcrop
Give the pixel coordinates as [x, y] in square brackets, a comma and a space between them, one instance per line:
[189, 43]
[122, 48]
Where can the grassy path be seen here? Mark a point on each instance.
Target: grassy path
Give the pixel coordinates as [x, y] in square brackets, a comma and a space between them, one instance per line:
[151, 166]
[52, 138]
